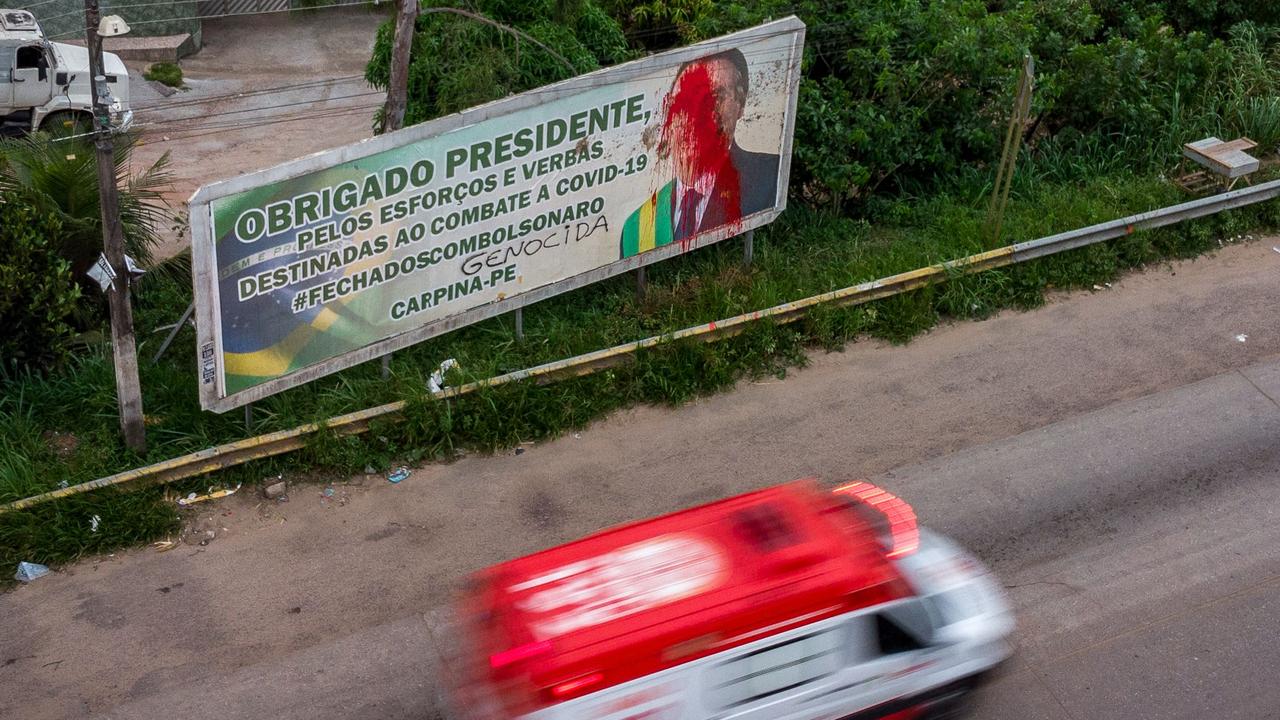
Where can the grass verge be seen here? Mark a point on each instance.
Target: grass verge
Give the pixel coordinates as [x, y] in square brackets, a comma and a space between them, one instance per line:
[62, 429]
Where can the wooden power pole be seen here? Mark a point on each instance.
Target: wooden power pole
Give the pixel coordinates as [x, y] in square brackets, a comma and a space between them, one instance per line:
[128, 389]
[398, 90]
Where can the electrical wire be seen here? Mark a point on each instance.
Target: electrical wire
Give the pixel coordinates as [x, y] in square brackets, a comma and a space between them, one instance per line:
[248, 93]
[169, 121]
[214, 17]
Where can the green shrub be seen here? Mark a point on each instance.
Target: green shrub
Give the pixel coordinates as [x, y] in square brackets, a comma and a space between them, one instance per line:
[458, 62]
[167, 73]
[37, 294]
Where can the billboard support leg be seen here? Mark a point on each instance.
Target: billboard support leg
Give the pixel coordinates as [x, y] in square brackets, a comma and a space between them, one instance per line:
[520, 324]
[641, 285]
[177, 327]
[748, 247]
[248, 417]
[386, 366]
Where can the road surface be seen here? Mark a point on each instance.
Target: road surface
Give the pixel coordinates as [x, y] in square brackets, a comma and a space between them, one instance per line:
[1111, 456]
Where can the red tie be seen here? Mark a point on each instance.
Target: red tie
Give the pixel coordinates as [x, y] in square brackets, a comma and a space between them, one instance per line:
[689, 213]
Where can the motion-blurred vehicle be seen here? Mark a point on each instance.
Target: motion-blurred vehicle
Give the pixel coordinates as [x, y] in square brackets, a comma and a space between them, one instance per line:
[45, 85]
[789, 603]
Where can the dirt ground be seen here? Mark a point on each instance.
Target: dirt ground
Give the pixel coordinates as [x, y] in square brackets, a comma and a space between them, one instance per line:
[280, 580]
[262, 91]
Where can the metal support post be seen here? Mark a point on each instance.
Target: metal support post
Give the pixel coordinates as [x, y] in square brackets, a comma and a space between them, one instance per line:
[641, 285]
[520, 324]
[748, 247]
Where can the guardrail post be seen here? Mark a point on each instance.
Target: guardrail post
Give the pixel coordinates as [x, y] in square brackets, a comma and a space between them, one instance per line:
[748, 247]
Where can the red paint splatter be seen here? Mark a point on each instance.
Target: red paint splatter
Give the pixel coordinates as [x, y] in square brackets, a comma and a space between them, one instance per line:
[698, 145]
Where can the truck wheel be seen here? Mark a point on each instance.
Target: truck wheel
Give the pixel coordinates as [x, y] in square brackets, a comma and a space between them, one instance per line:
[67, 123]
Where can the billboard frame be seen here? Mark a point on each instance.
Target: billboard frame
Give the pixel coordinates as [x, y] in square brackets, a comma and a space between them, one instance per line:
[209, 349]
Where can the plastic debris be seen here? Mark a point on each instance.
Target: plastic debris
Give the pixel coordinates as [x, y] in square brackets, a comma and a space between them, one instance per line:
[327, 492]
[435, 383]
[192, 499]
[30, 571]
[63, 484]
[164, 545]
[1242, 337]
[102, 273]
[400, 473]
[94, 522]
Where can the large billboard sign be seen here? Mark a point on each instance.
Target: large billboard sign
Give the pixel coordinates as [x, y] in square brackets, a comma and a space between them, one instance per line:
[338, 258]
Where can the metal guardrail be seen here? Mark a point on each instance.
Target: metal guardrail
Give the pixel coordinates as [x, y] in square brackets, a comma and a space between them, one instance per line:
[277, 443]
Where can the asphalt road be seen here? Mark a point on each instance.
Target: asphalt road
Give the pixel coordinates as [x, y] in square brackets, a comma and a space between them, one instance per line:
[1139, 546]
[1111, 456]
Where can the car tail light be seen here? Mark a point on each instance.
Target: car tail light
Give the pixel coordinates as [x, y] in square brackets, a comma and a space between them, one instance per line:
[506, 658]
[575, 687]
[903, 533]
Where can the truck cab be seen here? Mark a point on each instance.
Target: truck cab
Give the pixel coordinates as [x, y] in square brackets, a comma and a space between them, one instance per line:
[47, 85]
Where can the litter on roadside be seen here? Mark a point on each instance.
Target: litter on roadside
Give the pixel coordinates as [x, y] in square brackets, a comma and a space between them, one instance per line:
[400, 473]
[164, 545]
[327, 492]
[275, 489]
[435, 383]
[192, 499]
[94, 522]
[30, 571]
[1242, 337]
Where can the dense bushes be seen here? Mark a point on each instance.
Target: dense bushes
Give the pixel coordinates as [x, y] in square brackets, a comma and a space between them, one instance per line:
[911, 90]
[37, 295]
[901, 95]
[52, 183]
[458, 62]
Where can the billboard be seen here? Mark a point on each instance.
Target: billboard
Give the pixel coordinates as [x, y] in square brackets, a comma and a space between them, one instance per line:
[337, 258]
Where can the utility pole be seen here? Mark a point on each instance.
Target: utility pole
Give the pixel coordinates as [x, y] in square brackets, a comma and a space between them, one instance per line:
[128, 389]
[398, 90]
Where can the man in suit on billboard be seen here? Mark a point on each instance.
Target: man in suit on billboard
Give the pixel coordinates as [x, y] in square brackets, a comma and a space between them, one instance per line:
[716, 182]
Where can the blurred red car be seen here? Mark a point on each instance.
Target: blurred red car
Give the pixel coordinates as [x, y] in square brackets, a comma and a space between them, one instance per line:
[789, 603]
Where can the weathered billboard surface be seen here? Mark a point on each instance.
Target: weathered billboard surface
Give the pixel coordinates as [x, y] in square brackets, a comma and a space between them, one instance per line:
[334, 259]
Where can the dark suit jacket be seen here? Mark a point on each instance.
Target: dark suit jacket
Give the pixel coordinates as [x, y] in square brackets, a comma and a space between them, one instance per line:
[652, 225]
[758, 173]
[757, 190]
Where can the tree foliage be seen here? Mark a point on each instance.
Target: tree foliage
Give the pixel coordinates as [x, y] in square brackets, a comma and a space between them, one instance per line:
[61, 175]
[458, 62]
[900, 96]
[37, 295]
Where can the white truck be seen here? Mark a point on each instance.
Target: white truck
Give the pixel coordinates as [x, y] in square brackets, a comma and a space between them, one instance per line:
[47, 85]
